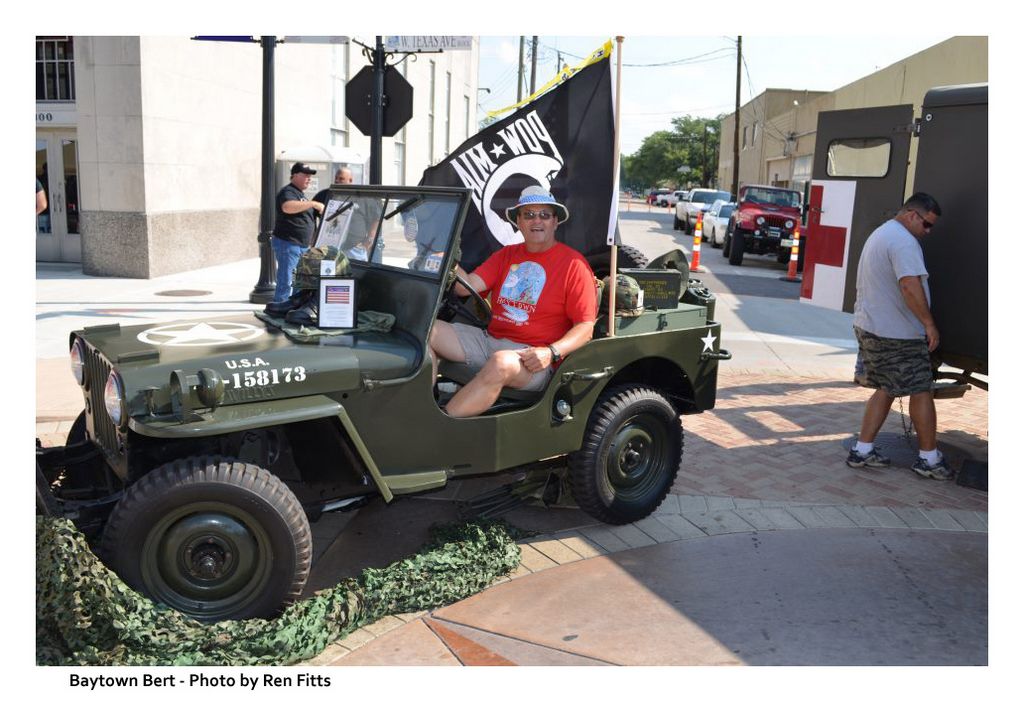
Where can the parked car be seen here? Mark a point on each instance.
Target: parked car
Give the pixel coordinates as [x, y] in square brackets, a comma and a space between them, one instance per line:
[652, 197]
[696, 201]
[675, 196]
[663, 198]
[716, 221]
[763, 223]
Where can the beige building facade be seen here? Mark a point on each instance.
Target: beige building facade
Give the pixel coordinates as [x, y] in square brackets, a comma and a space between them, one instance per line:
[781, 124]
[149, 148]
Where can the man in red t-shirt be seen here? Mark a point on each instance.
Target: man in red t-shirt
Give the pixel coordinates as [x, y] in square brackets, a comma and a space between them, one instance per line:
[543, 303]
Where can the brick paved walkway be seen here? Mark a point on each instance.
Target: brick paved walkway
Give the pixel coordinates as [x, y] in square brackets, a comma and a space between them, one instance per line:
[780, 439]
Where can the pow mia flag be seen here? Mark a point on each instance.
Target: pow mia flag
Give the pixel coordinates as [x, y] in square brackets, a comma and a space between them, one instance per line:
[564, 141]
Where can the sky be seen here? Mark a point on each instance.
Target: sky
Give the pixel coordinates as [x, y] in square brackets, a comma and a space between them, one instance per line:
[666, 77]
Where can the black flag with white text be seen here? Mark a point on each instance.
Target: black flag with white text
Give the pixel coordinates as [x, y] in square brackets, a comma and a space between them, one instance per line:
[564, 141]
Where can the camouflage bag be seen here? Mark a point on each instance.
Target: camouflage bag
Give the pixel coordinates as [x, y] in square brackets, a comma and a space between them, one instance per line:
[629, 296]
[307, 272]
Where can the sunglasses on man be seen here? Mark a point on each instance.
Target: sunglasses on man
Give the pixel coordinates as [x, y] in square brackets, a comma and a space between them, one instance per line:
[924, 222]
[543, 215]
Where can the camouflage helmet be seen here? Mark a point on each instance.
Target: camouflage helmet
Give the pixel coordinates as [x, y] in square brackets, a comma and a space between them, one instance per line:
[307, 272]
[629, 296]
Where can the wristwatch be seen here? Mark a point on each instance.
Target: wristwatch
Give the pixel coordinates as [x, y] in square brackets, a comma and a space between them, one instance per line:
[555, 356]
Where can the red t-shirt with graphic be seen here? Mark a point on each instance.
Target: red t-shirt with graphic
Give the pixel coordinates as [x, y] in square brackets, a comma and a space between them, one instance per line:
[537, 297]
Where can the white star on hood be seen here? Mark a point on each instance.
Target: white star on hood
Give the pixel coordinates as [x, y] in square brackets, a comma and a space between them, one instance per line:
[200, 334]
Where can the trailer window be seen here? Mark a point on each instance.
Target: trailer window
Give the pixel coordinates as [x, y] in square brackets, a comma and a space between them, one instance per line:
[859, 158]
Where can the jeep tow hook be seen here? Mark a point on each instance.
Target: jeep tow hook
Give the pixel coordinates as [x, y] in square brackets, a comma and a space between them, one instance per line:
[720, 355]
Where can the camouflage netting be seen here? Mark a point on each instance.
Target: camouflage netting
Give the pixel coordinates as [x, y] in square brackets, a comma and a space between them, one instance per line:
[85, 614]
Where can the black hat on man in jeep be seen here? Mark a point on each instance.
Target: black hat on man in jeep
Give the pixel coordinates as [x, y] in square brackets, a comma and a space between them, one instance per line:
[536, 195]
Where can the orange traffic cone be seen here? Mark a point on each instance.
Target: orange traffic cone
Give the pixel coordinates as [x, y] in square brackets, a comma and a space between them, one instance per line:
[698, 234]
[794, 257]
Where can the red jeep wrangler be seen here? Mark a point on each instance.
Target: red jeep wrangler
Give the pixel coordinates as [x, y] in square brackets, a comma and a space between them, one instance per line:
[763, 223]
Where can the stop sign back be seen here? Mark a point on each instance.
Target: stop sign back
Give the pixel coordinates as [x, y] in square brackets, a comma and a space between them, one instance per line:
[397, 101]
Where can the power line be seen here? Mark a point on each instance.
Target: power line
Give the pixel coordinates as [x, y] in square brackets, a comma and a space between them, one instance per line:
[675, 62]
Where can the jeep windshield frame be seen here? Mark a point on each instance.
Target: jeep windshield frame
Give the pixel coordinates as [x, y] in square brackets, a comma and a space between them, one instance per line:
[776, 197]
[410, 229]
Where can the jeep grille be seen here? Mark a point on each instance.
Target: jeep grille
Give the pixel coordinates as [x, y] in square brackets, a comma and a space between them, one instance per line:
[96, 371]
[775, 221]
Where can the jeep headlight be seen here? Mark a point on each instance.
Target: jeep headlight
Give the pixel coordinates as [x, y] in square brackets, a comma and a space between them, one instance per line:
[760, 221]
[113, 399]
[78, 361]
[789, 224]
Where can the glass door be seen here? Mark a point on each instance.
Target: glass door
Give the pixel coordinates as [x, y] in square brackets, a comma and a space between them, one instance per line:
[57, 233]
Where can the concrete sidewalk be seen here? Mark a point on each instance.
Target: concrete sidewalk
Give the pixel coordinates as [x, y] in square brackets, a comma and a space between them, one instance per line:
[769, 550]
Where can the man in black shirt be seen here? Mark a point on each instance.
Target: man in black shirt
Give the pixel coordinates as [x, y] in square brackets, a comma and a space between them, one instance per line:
[294, 227]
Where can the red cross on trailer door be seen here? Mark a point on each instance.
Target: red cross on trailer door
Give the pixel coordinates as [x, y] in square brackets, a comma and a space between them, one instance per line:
[859, 178]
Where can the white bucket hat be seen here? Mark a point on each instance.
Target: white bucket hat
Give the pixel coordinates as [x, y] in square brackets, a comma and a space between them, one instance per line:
[536, 195]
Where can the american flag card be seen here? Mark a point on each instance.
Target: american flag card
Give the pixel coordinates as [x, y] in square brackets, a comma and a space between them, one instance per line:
[337, 303]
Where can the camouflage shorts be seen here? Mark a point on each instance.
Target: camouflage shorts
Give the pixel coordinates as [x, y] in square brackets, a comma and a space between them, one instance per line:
[898, 366]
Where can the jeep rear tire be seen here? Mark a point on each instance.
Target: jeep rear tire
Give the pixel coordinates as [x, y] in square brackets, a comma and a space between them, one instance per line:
[736, 244]
[629, 257]
[632, 450]
[211, 537]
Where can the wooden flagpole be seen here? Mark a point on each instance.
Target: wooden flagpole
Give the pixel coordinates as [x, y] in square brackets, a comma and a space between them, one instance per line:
[615, 184]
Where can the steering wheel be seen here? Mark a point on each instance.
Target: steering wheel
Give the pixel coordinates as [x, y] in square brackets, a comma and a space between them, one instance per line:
[478, 313]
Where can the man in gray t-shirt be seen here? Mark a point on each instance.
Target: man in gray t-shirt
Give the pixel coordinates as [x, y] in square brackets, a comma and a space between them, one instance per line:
[896, 333]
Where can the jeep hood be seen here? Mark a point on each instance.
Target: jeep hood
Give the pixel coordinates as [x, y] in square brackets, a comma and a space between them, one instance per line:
[253, 360]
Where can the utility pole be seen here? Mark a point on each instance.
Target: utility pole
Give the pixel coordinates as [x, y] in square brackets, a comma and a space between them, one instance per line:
[533, 67]
[519, 83]
[736, 133]
[704, 166]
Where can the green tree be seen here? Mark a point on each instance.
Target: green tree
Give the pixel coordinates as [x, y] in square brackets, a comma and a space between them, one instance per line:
[656, 162]
[693, 142]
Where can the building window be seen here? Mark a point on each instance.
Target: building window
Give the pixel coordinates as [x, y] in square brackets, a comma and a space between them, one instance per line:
[339, 78]
[744, 137]
[55, 69]
[399, 164]
[447, 113]
[430, 114]
[466, 100]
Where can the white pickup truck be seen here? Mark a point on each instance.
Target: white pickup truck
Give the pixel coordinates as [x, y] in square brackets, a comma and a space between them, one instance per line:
[696, 201]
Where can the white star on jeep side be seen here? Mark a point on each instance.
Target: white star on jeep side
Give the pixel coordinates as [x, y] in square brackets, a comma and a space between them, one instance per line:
[498, 150]
[709, 342]
[200, 334]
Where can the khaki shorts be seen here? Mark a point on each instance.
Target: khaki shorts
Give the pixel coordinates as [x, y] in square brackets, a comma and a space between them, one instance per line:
[479, 346]
[898, 366]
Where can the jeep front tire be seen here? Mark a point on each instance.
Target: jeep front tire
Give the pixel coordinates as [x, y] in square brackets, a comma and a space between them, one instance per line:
[631, 453]
[211, 537]
[736, 245]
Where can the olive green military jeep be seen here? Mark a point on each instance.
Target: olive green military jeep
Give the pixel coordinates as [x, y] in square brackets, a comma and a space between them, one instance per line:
[206, 446]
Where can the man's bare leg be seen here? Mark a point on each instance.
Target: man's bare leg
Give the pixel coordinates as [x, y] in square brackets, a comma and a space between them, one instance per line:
[503, 368]
[922, 414]
[444, 343]
[875, 412]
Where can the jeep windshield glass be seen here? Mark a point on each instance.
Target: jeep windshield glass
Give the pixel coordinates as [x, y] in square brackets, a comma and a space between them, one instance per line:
[767, 196]
[390, 230]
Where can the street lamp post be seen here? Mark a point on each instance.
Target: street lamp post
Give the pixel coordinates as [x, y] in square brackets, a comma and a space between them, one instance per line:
[265, 286]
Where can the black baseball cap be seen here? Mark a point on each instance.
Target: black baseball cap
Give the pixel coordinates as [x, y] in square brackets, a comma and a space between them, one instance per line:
[302, 168]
